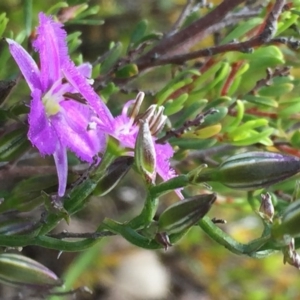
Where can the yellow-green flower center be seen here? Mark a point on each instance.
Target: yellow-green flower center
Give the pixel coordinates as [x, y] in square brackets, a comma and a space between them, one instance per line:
[52, 107]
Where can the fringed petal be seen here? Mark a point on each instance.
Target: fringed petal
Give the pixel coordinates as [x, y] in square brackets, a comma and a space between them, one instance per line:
[27, 65]
[41, 133]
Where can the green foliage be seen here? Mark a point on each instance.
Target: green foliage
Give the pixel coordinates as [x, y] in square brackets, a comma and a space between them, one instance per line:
[220, 108]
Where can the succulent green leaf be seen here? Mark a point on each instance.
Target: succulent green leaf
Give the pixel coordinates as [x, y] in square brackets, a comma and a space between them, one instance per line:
[174, 106]
[190, 111]
[276, 90]
[127, 71]
[139, 31]
[3, 23]
[259, 100]
[220, 114]
[13, 144]
[163, 95]
[54, 9]
[241, 30]
[195, 144]
[110, 89]
[112, 57]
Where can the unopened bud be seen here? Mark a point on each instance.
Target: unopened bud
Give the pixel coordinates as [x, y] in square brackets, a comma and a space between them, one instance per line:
[114, 173]
[266, 208]
[252, 170]
[15, 225]
[19, 270]
[184, 214]
[144, 153]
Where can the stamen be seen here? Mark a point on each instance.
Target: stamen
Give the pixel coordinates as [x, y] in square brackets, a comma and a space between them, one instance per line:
[158, 125]
[137, 105]
[156, 116]
[147, 115]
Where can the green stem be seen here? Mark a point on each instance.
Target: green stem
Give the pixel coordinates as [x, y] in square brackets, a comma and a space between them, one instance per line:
[252, 249]
[79, 194]
[134, 237]
[147, 214]
[130, 235]
[170, 185]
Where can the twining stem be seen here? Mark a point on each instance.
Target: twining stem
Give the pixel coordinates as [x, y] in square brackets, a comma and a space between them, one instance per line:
[251, 249]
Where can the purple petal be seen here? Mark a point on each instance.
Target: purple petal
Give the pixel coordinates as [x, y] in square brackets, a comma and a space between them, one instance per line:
[26, 64]
[52, 47]
[41, 134]
[61, 162]
[80, 84]
[77, 114]
[85, 70]
[125, 131]
[84, 143]
[164, 152]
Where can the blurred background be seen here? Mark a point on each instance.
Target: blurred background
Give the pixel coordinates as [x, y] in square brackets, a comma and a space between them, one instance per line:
[196, 268]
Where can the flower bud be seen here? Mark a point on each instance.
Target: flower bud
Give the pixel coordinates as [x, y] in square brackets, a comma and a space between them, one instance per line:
[144, 153]
[19, 270]
[15, 225]
[289, 222]
[252, 170]
[114, 173]
[184, 214]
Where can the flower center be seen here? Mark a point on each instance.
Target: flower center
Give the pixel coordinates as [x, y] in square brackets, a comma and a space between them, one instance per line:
[52, 107]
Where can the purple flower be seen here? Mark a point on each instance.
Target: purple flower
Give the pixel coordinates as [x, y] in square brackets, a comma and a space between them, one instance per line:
[56, 122]
[126, 127]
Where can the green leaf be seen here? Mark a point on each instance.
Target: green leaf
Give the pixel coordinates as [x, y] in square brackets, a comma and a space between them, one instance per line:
[240, 110]
[295, 139]
[190, 111]
[13, 144]
[112, 56]
[220, 75]
[203, 133]
[164, 94]
[244, 130]
[216, 117]
[3, 23]
[26, 196]
[195, 144]
[54, 9]
[127, 71]
[241, 30]
[289, 110]
[254, 137]
[110, 89]
[174, 106]
[286, 23]
[218, 101]
[265, 101]
[276, 90]
[139, 32]
[74, 41]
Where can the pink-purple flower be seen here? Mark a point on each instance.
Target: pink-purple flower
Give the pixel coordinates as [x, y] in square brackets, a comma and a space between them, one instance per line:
[126, 127]
[56, 122]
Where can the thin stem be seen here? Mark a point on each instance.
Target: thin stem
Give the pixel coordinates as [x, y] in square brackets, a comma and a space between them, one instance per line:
[182, 17]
